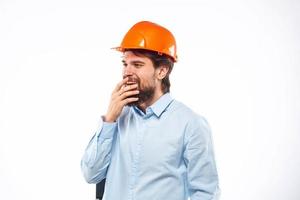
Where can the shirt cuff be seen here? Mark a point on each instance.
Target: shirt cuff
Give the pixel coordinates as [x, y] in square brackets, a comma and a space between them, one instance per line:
[106, 129]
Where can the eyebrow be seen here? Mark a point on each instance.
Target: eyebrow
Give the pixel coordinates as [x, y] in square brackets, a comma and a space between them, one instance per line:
[134, 62]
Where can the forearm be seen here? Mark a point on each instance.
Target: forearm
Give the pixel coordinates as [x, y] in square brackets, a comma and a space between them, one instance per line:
[203, 177]
[96, 158]
[209, 191]
[202, 173]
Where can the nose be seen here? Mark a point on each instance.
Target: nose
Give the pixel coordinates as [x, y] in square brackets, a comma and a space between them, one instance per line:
[128, 71]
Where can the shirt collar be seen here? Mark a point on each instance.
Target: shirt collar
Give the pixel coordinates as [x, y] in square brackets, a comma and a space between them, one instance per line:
[159, 106]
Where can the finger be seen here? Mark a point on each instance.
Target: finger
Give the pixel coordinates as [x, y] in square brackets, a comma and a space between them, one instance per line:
[129, 93]
[120, 84]
[130, 87]
[127, 88]
[129, 100]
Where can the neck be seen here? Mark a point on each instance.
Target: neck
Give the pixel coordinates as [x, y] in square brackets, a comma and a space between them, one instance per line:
[143, 106]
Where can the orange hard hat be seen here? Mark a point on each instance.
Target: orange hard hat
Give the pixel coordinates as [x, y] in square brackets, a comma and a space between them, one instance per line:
[149, 36]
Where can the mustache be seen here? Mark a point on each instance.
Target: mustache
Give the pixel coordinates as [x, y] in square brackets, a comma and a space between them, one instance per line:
[132, 79]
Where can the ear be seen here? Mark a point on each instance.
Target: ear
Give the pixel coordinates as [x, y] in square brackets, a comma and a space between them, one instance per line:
[162, 72]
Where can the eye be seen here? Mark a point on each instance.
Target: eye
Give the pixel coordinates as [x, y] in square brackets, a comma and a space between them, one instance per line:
[137, 65]
[125, 64]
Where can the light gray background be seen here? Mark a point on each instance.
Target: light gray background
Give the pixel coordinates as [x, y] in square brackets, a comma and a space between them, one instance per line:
[238, 66]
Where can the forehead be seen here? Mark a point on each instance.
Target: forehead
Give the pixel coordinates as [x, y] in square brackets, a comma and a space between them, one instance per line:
[130, 56]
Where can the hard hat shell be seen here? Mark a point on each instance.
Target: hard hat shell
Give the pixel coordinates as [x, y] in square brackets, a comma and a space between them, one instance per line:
[150, 36]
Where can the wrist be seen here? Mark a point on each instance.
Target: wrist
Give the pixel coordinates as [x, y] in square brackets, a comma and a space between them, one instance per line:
[107, 118]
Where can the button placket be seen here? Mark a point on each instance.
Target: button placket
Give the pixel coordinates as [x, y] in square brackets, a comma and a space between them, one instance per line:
[136, 156]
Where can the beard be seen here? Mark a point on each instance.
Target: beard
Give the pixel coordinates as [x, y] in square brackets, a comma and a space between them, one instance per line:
[146, 92]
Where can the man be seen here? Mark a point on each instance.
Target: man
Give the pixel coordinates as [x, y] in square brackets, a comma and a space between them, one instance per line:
[148, 145]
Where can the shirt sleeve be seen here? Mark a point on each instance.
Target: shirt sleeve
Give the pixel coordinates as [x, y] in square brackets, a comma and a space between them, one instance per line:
[202, 176]
[96, 158]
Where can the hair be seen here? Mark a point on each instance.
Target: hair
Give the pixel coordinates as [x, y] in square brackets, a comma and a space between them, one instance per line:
[158, 60]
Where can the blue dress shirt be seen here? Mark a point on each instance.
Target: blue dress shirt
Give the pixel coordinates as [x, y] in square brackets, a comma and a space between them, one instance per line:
[163, 154]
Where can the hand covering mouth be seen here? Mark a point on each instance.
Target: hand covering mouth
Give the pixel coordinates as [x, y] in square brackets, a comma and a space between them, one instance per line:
[131, 80]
